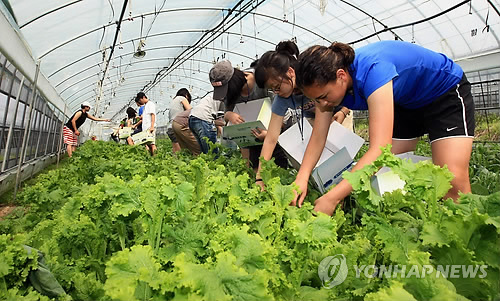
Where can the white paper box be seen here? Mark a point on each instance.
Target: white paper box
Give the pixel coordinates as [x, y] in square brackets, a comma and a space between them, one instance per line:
[341, 147]
[258, 109]
[144, 137]
[385, 180]
[125, 132]
[257, 114]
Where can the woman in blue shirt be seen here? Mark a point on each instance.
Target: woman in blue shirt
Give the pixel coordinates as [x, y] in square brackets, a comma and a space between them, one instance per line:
[408, 91]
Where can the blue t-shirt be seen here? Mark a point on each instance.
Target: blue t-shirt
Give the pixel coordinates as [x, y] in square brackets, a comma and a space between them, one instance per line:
[141, 110]
[281, 105]
[418, 75]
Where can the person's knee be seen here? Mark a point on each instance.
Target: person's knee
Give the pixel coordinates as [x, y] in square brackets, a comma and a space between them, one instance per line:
[459, 184]
[461, 180]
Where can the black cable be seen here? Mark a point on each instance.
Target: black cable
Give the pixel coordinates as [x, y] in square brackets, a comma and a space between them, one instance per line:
[49, 12]
[372, 17]
[413, 23]
[374, 28]
[494, 7]
[119, 23]
[192, 50]
[157, 12]
[102, 37]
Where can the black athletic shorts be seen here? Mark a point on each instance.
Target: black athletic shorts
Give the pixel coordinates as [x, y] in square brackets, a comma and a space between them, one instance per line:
[278, 154]
[450, 115]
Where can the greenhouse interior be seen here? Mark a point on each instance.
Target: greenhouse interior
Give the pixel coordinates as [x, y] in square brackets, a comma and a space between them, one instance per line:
[250, 150]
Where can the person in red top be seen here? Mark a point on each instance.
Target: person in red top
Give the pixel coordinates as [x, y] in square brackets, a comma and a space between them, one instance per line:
[70, 130]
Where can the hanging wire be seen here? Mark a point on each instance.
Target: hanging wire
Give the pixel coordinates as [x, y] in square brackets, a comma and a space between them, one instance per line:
[322, 6]
[413, 33]
[254, 30]
[213, 51]
[112, 11]
[199, 63]
[102, 37]
[284, 11]
[241, 29]
[130, 11]
[293, 23]
[120, 69]
[487, 27]
[375, 29]
[157, 12]
[142, 24]
[120, 45]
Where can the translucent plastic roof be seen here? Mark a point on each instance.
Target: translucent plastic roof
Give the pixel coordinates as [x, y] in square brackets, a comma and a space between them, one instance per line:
[182, 38]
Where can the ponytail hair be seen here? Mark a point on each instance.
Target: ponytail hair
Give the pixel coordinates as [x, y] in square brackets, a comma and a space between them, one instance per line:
[319, 64]
[275, 63]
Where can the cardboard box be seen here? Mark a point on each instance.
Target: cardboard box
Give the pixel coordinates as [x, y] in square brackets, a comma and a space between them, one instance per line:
[340, 149]
[257, 114]
[144, 137]
[125, 132]
[385, 180]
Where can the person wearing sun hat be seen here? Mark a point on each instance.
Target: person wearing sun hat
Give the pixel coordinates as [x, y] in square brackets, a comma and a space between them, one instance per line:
[70, 130]
[209, 113]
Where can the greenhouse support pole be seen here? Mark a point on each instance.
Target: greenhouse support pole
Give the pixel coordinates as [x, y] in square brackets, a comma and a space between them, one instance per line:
[30, 118]
[23, 147]
[7, 105]
[43, 125]
[51, 127]
[55, 132]
[60, 138]
[3, 69]
[11, 127]
[33, 124]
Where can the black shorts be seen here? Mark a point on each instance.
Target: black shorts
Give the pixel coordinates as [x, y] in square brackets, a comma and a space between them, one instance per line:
[171, 135]
[450, 115]
[137, 130]
[278, 154]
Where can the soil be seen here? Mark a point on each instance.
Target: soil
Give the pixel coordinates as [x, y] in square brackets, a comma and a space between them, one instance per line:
[6, 210]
